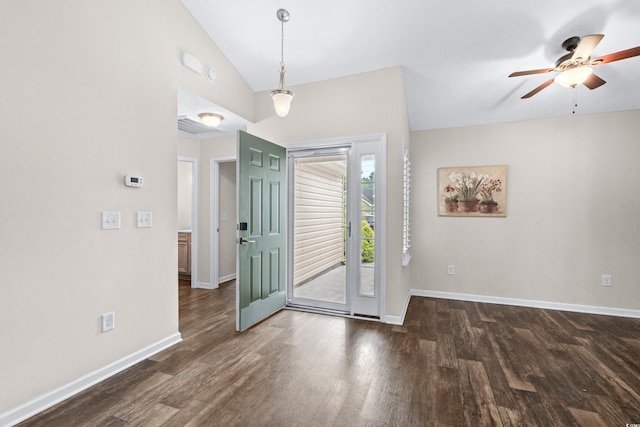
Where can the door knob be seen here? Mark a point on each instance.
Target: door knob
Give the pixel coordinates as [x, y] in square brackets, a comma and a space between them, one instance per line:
[243, 240]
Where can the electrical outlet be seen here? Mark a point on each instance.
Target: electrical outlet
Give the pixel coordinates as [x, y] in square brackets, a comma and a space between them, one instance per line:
[606, 280]
[451, 270]
[108, 321]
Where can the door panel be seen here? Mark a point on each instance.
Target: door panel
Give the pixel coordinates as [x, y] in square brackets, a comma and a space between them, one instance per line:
[262, 242]
[365, 297]
[367, 183]
[333, 194]
[318, 228]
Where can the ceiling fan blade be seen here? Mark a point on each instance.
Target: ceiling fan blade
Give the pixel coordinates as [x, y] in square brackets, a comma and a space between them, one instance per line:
[529, 72]
[538, 89]
[593, 82]
[585, 47]
[617, 56]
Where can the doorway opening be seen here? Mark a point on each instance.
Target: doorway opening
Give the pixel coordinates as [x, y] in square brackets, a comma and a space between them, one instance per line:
[187, 233]
[223, 220]
[320, 229]
[350, 189]
[335, 249]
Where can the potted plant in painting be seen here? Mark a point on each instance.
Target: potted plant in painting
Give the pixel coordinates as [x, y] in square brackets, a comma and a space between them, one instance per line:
[468, 187]
[488, 205]
[451, 198]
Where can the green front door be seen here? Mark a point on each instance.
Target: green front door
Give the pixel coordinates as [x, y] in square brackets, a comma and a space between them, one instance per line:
[261, 230]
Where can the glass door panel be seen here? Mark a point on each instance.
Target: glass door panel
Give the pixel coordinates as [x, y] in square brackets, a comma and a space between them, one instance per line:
[319, 267]
[335, 221]
[365, 292]
[367, 235]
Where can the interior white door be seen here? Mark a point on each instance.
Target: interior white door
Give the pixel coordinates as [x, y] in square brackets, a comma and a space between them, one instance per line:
[317, 228]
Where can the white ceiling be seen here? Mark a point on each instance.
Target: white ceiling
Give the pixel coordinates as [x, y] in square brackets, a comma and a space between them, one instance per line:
[456, 55]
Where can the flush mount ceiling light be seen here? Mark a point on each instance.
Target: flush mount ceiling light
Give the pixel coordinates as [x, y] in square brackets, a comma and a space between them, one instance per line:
[211, 119]
[282, 97]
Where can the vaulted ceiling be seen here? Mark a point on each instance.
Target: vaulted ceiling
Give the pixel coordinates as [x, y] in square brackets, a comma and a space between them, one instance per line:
[456, 55]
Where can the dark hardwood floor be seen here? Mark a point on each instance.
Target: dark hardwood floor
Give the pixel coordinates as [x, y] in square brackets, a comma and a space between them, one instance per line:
[452, 363]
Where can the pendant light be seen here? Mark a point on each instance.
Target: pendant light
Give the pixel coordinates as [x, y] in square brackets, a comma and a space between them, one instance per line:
[282, 97]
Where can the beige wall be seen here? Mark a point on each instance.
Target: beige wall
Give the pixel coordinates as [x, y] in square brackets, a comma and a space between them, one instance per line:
[101, 79]
[572, 211]
[188, 147]
[185, 194]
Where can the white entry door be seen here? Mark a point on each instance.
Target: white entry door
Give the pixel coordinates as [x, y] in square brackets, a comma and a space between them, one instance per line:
[334, 238]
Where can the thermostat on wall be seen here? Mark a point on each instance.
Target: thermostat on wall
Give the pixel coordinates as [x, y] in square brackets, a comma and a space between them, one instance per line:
[133, 181]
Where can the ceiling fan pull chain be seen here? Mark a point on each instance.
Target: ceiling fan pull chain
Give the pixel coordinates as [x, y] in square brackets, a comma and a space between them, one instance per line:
[575, 99]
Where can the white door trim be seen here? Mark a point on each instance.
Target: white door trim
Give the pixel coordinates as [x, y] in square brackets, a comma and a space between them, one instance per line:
[214, 209]
[194, 218]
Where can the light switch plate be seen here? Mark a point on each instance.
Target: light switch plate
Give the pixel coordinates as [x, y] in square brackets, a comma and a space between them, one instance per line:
[144, 219]
[111, 220]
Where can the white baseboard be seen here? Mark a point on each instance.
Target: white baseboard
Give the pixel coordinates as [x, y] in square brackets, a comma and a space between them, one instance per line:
[394, 320]
[399, 320]
[227, 278]
[608, 311]
[47, 400]
[205, 285]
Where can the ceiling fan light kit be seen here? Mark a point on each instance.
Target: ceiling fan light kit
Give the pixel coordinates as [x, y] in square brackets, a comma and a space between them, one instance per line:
[575, 68]
[573, 77]
[282, 97]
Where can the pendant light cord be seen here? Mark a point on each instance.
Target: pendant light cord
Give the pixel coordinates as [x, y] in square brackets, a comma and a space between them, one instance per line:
[282, 97]
[282, 45]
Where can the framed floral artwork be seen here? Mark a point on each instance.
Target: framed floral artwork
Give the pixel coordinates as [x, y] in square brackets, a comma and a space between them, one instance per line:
[472, 191]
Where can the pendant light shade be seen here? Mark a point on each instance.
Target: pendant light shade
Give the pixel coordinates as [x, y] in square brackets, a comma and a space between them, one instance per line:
[282, 102]
[282, 97]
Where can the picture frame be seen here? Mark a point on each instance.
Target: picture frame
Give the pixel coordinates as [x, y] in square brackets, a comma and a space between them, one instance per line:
[475, 191]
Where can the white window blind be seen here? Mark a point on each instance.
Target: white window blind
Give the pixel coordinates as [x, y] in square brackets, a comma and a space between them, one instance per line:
[406, 214]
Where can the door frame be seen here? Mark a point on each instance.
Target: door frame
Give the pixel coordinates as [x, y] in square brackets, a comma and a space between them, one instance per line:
[214, 209]
[292, 301]
[381, 199]
[194, 217]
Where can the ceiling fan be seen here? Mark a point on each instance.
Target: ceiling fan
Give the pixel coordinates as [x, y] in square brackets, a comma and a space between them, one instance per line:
[575, 66]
